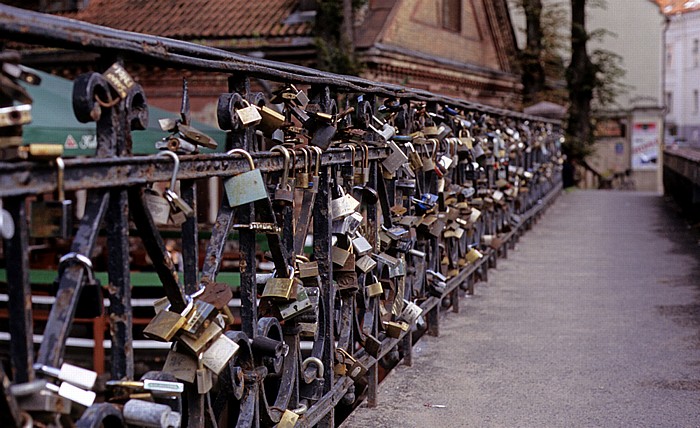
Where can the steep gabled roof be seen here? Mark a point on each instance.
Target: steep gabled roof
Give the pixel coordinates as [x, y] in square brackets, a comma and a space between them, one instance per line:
[673, 7]
[198, 19]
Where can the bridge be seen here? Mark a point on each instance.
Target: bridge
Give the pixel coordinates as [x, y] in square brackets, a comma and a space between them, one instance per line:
[307, 268]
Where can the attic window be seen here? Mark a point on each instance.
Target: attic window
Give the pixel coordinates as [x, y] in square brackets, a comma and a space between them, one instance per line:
[452, 15]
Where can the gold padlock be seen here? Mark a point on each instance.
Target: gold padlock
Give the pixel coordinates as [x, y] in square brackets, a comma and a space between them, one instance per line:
[281, 288]
[166, 324]
[473, 255]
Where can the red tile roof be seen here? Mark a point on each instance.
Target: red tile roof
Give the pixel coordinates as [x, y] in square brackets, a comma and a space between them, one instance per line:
[672, 7]
[197, 19]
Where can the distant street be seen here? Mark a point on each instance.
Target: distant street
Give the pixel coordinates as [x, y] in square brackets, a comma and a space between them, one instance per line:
[594, 321]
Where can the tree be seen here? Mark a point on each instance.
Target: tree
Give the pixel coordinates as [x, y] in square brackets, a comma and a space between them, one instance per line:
[581, 79]
[333, 36]
[533, 78]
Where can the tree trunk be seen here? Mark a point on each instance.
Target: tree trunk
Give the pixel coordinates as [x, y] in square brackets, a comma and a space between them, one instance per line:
[580, 79]
[533, 78]
[346, 30]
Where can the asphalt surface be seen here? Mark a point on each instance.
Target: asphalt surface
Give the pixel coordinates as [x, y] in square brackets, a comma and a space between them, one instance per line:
[593, 321]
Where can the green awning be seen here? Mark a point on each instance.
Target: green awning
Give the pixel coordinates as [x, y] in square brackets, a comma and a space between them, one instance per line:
[53, 121]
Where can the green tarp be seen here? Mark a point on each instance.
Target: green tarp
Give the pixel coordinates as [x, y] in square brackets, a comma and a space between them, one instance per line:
[53, 121]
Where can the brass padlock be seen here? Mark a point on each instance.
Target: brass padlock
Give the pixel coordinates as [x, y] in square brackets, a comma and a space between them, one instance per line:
[246, 187]
[395, 329]
[284, 192]
[362, 174]
[281, 288]
[196, 136]
[53, 219]
[166, 323]
[219, 353]
[303, 178]
[414, 159]
[271, 120]
[248, 114]
[197, 343]
[180, 365]
[474, 255]
[308, 269]
[365, 263]
[203, 378]
[375, 288]
[428, 158]
[288, 420]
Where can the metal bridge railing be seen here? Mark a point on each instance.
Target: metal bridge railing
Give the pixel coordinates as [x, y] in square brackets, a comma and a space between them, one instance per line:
[407, 198]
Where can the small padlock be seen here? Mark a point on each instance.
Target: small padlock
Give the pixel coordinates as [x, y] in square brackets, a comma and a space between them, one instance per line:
[281, 288]
[246, 187]
[218, 294]
[347, 170]
[375, 288]
[157, 206]
[166, 323]
[300, 306]
[203, 378]
[345, 276]
[180, 365]
[308, 269]
[205, 337]
[303, 178]
[428, 162]
[288, 420]
[414, 159]
[395, 329]
[365, 263]
[196, 136]
[361, 245]
[75, 375]
[343, 206]
[411, 312]
[474, 255]
[53, 219]
[271, 120]
[248, 114]
[395, 160]
[177, 204]
[219, 353]
[362, 173]
[284, 192]
[199, 317]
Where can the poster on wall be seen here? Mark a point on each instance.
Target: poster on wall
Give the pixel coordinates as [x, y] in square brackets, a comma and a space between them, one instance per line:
[645, 145]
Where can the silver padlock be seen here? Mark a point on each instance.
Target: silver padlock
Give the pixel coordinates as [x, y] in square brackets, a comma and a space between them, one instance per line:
[219, 353]
[246, 187]
[386, 132]
[7, 224]
[248, 115]
[361, 245]
[343, 206]
[284, 191]
[176, 203]
[158, 206]
[365, 263]
[411, 312]
[78, 376]
[395, 160]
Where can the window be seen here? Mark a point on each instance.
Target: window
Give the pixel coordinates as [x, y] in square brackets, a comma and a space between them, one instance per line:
[695, 101]
[669, 102]
[452, 15]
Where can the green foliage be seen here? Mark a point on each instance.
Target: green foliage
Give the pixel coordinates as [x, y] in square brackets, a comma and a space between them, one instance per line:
[334, 53]
[337, 57]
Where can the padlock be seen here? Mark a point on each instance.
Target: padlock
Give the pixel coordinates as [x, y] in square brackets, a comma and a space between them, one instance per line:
[474, 255]
[339, 256]
[428, 158]
[348, 225]
[395, 160]
[7, 224]
[386, 131]
[91, 300]
[308, 269]
[281, 288]
[177, 205]
[248, 114]
[474, 216]
[288, 419]
[199, 317]
[160, 304]
[202, 377]
[375, 288]
[53, 219]
[362, 173]
[284, 192]
[166, 323]
[119, 79]
[395, 329]
[208, 335]
[343, 206]
[414, 159]
[411, 312]
[357, 370]
[270, 121]
[361, 245]
[34, 396]
[218, 294]
[347, 170]
[157, 206]
[365, 263]
[74, 375]
[346, 277]
[149, 414]
[73, 393]
[399, 269]
[303, 178]
[180, 365]
[300, 306]
[196, 136]
[246, 187]
[219, 353]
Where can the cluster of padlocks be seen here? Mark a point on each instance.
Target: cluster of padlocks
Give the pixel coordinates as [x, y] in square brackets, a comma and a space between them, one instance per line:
[377, 217]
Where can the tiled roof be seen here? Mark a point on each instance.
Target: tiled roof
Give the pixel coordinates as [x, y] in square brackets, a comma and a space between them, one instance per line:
[672, 7]
[196, 19]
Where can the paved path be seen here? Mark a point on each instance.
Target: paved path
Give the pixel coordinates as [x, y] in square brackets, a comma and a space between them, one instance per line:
[594, 320]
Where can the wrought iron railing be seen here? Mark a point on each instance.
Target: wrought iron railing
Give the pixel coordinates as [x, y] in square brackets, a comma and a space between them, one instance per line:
[408, 197]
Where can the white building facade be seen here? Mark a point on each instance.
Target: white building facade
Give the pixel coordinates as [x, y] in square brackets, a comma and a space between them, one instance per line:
[682, 81]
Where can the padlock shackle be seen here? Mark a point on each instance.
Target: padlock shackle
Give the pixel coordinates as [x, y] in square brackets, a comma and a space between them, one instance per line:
[60, 184]
[84, 261]
[176, 166]
[285, 172]
[317, 166]
[247, 155]
[352, 151]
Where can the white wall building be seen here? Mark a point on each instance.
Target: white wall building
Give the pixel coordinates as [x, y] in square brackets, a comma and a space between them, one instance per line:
[682, 61]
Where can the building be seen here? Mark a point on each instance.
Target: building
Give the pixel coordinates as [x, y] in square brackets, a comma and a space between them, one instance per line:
[465, 48]
[682, 80]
